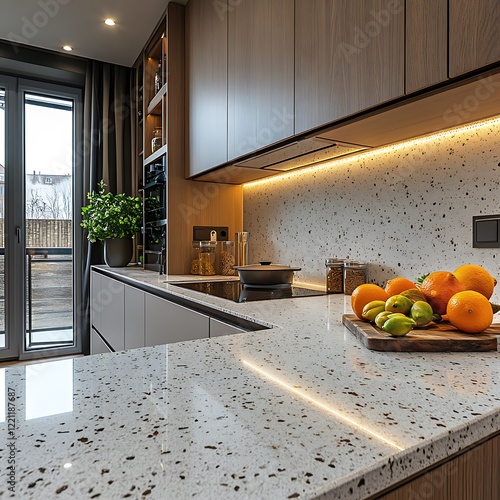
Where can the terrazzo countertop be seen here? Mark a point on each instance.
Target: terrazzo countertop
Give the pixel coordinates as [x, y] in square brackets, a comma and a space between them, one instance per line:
[301, 410]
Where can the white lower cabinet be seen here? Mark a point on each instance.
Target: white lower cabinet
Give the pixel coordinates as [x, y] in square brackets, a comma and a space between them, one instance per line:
[126, 317]
[112, 303]
[97, 345]
[219, 328]
[95, 307]
[134, 318]
[166, 322]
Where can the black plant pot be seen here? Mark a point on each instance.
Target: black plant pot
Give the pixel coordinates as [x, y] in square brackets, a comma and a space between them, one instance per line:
[118, 252]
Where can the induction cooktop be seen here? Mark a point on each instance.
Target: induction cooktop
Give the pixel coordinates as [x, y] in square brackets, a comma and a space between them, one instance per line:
[236, 291]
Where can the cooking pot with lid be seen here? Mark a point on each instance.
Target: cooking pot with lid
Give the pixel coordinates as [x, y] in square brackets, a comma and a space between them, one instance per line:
[266, 274]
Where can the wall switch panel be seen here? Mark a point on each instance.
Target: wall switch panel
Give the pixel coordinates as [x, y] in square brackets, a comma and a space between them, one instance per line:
[202, 233]
[485, 231]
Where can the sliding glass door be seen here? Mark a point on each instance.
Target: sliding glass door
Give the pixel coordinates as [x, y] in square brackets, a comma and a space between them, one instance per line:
[37, 163]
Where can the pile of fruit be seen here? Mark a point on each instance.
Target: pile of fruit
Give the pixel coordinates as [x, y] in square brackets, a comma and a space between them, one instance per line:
[461, 297]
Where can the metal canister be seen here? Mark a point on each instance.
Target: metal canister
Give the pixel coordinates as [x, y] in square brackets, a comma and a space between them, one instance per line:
[241, 241]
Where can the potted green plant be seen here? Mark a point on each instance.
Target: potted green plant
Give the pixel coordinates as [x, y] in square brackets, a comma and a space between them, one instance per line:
[114, 219]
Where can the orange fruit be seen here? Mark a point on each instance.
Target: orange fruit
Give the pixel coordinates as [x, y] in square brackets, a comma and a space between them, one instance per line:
[366, 293]
[476, 278]
[469, 311]
[397, 285]
[438, 289]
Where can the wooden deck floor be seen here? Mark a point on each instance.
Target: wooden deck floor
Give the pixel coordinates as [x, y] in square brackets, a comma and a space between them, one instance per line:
[51, 295]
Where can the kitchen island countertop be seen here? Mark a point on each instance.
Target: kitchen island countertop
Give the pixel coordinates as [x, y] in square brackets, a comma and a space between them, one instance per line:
[301, 410]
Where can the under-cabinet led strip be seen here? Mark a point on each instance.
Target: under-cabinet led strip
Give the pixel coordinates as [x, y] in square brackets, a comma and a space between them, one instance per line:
[391, 148]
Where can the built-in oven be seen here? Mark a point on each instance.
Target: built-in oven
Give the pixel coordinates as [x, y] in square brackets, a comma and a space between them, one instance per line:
[236, 291]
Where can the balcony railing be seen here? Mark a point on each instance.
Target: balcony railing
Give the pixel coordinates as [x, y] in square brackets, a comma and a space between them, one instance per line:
[49, 297]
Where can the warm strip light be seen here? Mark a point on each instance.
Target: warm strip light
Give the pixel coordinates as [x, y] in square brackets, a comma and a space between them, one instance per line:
[321, 405]
[376, 151]
[302, 284]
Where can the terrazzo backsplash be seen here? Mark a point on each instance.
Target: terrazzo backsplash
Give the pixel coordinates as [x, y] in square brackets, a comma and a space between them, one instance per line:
[406, 211]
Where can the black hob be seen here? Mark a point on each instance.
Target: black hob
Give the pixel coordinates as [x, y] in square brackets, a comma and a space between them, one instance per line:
[234, 290]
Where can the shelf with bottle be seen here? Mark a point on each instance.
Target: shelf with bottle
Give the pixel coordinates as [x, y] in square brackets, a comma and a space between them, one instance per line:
[154, 138]
[155, 68]
[155, 105]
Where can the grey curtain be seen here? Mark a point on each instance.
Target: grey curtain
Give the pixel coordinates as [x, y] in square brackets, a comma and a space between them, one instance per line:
[108, 153]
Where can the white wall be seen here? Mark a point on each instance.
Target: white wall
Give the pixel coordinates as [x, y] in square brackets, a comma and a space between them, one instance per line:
[407, 211]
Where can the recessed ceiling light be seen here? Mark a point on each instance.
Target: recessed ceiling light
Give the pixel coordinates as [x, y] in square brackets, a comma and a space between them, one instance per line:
[109, 22]
[68, 48]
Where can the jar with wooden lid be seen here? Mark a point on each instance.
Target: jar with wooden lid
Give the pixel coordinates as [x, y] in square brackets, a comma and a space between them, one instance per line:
[334, 275]
[354, 275]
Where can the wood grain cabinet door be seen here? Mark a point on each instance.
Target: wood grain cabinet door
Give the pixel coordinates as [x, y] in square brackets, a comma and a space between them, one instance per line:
[260, 74]
[206, 85]
[426, 43]
[349, 56]
[474, 34]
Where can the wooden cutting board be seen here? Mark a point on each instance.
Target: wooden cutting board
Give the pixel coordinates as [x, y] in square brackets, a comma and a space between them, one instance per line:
[437, 338]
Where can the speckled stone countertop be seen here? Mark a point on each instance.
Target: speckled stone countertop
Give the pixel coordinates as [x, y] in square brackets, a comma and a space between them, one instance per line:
[301, 410]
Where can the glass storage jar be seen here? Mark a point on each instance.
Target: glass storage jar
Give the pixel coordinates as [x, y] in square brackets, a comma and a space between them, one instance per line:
[226, 258]
[354, 275]
[156, 141]
[334, 275]
[203, 262]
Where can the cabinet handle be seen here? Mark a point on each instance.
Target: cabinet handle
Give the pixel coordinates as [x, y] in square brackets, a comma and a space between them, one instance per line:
[18, 234]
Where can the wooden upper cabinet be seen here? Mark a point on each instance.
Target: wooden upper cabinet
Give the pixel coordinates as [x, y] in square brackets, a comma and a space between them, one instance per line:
[349, 56]
[206, 85]
[426, 43]
[474, 34]
[260, 74]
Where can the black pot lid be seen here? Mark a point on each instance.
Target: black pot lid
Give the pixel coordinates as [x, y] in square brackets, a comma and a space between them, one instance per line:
[266, 267]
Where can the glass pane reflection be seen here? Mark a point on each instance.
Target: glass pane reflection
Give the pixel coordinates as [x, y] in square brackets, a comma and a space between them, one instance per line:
[49, 388]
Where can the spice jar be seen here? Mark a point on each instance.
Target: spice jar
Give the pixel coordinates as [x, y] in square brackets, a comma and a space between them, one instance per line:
[156, 142]
[226, 258]
[203, 262]
[354, 275]
[334, 275]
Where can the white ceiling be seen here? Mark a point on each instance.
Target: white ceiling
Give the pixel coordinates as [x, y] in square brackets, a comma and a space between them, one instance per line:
[50, 24]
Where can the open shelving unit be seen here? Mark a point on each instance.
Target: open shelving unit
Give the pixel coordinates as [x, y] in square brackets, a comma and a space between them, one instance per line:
[153, 112]
[164, 244]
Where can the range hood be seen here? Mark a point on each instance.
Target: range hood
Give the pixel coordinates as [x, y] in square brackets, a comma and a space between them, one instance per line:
[300, 154]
